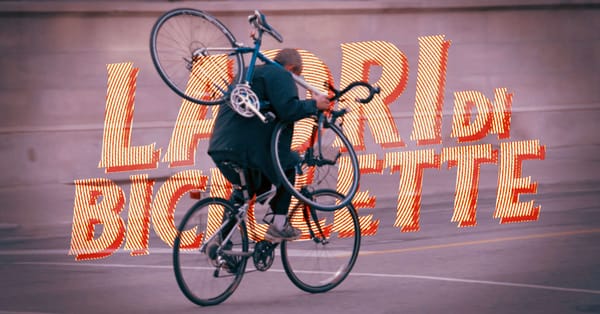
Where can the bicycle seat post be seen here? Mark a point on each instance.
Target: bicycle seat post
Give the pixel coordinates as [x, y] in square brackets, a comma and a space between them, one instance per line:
[243, 183]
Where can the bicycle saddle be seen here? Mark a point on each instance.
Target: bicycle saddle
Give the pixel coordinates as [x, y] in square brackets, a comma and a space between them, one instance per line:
[260, 22]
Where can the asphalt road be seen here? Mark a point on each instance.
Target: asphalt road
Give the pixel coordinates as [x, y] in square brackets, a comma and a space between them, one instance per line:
[548, 266]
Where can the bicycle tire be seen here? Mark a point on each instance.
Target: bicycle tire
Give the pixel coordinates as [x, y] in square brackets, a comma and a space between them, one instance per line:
[316, 177]
[194, 54]
[199, 279]
[315, 266]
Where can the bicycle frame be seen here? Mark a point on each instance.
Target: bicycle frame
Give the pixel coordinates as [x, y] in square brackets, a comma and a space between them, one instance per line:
[241, 214]
[257, 54]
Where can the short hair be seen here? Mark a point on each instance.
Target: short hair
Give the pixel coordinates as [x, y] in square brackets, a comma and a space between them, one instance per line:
[289, 56]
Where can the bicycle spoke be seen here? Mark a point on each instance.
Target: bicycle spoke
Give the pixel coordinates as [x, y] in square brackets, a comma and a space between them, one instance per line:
[327, 161]
[204, 270]
[328, 249]
[175, 40]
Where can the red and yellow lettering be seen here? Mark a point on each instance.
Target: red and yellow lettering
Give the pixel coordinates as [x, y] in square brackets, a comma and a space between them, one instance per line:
[256, 231]
[98, 229]
[163, 207]
[411, 164]
[502, 113]
[468, 160]
[117, 152]
[138, 220]
[314, 70]
[431, 80]
[511, 184]
[97, 202]
[192, 124]
[462, 127]
[363, 199]
[357, 61]
[210, 76]
[219, 187]
[368, 164]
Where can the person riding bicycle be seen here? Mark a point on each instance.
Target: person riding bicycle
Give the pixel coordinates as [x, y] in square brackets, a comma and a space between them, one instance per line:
[247, 141]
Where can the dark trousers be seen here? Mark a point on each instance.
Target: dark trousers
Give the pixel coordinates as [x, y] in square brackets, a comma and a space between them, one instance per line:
[258, 182]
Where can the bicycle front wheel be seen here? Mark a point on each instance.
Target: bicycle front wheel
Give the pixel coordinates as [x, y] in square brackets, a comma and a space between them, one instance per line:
[326, 160]
[195, 54]
[325, 254]
[205, 276]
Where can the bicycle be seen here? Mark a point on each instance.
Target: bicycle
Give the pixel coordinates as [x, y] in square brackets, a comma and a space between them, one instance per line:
[200, 59]
[211, 250]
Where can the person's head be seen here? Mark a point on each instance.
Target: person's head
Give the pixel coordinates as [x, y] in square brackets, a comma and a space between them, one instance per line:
[290, 59]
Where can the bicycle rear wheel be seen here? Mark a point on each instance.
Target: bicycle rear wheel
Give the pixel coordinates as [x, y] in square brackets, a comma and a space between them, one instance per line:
[204, 276]
[327, 161]
[194, 53]
[325, 254]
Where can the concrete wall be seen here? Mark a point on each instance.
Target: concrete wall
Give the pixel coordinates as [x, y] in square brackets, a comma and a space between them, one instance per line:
[53, 83]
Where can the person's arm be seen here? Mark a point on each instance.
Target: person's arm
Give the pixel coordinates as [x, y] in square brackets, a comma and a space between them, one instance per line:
[283, 95]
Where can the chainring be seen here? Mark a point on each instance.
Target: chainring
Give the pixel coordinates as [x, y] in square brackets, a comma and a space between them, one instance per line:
[241, 98]
[264, 255]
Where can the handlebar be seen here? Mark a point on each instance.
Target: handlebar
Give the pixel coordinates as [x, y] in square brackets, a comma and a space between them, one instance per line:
[259, 21]
[333, 115]
[372, 91]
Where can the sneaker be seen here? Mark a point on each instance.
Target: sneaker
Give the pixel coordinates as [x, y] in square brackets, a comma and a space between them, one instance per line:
[288, 233]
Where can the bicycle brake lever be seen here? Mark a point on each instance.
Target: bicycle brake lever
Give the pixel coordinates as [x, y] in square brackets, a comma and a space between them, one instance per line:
[336, 93]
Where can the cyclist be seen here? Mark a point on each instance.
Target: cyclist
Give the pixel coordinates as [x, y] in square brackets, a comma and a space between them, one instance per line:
[246, 141]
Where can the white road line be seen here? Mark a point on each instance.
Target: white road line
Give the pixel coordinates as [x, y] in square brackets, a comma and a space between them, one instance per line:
[486, 282]
[354, 274]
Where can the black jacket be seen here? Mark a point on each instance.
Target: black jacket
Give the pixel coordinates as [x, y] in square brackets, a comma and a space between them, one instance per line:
[247, 141]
